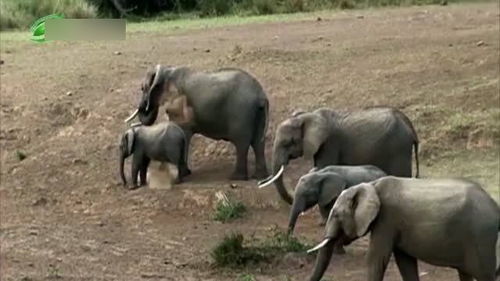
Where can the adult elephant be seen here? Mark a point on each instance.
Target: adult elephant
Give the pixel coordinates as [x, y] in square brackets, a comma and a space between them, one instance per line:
[379, 136]
[448, 222]
[226, 104]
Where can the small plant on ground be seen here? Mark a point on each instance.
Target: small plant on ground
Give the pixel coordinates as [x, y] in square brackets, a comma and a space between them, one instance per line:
[280, 242]
[228, 209]
[230, 252]
[20, 155]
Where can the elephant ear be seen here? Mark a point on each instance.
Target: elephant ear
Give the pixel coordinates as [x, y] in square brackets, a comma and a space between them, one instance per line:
[315, 132]
[366, 204]
[130, 137]
[332, 185]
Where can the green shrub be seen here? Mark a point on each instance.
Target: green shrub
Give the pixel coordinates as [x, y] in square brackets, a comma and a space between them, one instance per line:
[264, 7]
[228, 209]
[22, 13]
[294, 6]
[281, 242]
[215, 7]
[230, 252]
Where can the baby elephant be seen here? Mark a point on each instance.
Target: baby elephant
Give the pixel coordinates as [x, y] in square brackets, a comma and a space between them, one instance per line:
[163, 142]
[323, 186]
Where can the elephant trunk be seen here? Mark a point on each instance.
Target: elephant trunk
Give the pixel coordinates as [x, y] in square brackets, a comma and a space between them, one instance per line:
[281, 160]
[298, 207]
[122, 174]
[148, 116]
[322, 260]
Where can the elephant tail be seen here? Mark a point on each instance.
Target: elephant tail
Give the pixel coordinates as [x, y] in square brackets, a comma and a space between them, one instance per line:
[415, 147]
[262, 121]
[408, 123]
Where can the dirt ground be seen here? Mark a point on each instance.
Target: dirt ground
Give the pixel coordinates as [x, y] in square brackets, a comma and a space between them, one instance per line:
[65, 216]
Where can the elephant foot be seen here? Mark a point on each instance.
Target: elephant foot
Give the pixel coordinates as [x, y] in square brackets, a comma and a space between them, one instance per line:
[185, 172]
[238, 177]
[134, 187]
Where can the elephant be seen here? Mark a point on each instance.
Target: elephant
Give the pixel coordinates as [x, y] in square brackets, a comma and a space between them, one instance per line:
[163, 142]
[449, 222]
[226, 104]
[379, 136]
[322, 187]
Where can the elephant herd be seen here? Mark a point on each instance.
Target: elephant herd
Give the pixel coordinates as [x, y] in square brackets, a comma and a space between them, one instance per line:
[361, 181]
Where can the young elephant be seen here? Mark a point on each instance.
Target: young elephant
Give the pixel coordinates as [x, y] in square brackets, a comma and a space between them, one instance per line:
[323, 186]
[444, 222]
[164, 142]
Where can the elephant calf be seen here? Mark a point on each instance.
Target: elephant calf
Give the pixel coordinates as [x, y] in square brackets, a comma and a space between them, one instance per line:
[322, 187]
[163, 142]
[444, 222]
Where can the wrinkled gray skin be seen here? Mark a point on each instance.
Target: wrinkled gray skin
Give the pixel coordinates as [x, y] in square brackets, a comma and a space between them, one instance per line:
[228, 104]
[445, 222]
[322, 187]
[164, 142]
[379, 136]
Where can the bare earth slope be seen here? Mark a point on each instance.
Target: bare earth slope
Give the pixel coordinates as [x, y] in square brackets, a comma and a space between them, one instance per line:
[64, 214]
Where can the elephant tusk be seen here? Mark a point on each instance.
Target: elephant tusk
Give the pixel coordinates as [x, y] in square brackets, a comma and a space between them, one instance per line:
[135, 124]
[264, 180]
[319, 246]
[132, 116]
[266, 183]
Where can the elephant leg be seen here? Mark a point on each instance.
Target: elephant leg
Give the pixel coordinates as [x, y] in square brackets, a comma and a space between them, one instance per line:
[464, 277]
[324, 212]
[184, 168]
[407, 266]
[240, 172]
[136, 166]
[258, 146]
[379, 254]
[144, 171]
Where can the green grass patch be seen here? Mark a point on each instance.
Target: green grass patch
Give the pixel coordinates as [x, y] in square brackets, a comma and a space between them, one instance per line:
[228, 209]
[234, 252]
